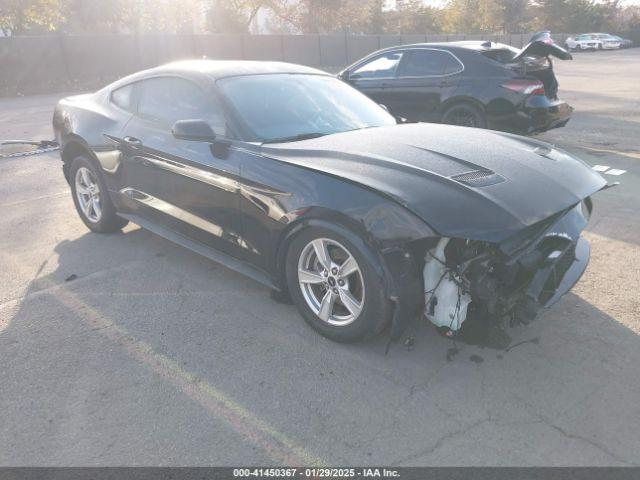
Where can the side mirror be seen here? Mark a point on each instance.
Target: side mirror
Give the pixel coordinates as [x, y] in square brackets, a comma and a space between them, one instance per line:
[194, 130]
[344, 75]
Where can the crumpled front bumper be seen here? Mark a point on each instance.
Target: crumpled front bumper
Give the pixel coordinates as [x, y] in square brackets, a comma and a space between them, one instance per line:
[558, 257]
[521, 276]
[553, 281]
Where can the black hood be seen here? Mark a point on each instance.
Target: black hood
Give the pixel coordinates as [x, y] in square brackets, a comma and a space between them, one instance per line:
[463, 182]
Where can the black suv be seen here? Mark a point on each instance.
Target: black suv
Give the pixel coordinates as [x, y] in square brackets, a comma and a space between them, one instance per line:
[472, 83]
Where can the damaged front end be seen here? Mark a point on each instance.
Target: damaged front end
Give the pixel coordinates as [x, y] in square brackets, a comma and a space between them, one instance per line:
[475, 289]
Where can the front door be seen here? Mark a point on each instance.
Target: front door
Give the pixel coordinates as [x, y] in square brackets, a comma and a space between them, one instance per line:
[181, 184]
[376, 76]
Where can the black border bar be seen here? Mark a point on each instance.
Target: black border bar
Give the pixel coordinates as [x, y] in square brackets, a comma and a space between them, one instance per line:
[271, 473]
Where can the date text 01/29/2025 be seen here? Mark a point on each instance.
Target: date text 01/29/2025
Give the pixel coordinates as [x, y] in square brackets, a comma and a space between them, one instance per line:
[315, 472]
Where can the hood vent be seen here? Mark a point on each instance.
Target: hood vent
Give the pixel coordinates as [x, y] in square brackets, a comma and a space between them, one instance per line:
[478, 178]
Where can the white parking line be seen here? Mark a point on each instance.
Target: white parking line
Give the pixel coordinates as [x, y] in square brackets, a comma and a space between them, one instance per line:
[615, 171]
[606, 171]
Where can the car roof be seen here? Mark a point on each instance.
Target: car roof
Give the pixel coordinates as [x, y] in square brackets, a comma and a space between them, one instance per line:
[481, 45]
[453, 47]
[476, 45]
[214, 69]
[231, 68]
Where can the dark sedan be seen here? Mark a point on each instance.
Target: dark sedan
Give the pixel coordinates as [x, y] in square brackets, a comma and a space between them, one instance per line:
[475, 84]
[290, 176]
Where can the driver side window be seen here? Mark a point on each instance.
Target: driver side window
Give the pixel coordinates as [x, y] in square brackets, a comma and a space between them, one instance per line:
[166, 100]
[383, 66]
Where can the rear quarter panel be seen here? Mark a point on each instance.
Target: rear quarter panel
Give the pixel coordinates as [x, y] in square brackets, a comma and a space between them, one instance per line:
[80, 123]
[479, 84]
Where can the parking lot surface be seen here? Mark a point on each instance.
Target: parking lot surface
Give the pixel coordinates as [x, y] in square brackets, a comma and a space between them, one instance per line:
[124, 349]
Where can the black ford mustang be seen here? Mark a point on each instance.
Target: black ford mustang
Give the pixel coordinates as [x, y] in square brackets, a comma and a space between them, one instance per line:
[296, 179]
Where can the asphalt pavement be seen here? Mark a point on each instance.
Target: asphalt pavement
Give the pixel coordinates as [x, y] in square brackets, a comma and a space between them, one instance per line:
[124, 349]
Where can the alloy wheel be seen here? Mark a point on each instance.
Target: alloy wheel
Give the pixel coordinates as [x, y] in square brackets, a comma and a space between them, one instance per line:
[88, 194]
[463, 118]
[331, 282]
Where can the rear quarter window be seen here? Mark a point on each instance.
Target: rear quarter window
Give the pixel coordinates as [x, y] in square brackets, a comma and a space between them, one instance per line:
[452, 65]
[123, 97]
[501, 56]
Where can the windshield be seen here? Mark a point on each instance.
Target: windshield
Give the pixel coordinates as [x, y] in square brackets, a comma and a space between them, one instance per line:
[505, 54]
[285, 107]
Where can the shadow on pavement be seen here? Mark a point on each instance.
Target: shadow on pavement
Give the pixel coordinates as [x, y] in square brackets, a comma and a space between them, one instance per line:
[165, 306]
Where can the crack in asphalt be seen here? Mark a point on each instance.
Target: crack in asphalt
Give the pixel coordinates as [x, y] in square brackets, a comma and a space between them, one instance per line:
[442, 440]
[572, 436]
[488, 418]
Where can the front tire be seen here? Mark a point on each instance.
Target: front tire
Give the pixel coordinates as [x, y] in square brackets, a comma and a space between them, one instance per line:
[91, 197]
[336, 283]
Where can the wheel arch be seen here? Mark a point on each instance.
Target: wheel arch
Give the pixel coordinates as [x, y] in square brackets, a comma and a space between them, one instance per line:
[461, 100]
[396, 264]
[316, 216]
[383, 225]
[397, 258]
[75, 146]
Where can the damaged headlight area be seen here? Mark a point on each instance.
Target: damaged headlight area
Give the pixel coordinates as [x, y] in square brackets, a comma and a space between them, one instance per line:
[475, 289]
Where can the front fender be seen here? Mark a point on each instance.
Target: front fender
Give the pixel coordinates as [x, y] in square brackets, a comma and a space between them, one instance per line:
[385, 226]
[398, 264]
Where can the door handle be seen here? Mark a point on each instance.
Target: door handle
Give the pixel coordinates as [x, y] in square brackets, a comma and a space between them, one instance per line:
[145, 161]
[133, 142]
[386, 85]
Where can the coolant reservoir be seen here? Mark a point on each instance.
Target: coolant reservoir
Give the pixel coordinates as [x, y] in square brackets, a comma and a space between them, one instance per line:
[445, 304]
[447, 311]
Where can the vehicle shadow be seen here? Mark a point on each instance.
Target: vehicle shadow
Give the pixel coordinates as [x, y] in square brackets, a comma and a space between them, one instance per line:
[346, 403]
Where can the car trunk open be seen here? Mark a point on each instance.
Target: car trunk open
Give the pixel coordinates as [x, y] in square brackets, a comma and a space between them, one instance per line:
[533, 60]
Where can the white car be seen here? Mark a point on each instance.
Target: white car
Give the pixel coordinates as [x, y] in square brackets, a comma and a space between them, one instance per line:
[592, 41]
[609, 42]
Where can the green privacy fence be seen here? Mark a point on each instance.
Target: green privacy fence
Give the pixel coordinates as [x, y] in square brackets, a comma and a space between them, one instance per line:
[45, 64]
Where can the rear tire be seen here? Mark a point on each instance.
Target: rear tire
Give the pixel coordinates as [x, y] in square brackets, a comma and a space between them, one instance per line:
[342, 295]
[464, 115]
[91, 197]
